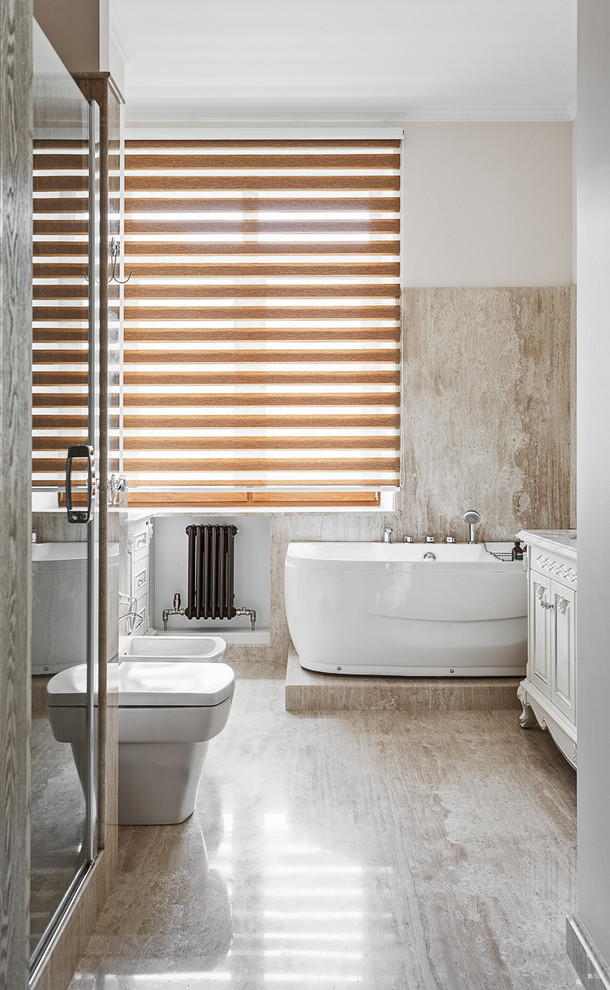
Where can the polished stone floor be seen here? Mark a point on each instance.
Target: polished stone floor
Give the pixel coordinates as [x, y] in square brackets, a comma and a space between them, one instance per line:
[57, 825]
[385, 850]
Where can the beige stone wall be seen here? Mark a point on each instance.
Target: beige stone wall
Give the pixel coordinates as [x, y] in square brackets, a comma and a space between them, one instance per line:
[488, 378]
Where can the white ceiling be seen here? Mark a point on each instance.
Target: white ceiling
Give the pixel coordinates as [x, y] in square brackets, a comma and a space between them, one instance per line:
[409, 59]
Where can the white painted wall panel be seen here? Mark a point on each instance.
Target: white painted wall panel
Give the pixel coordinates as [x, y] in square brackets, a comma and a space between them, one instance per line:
[593, 689]
[488, 204]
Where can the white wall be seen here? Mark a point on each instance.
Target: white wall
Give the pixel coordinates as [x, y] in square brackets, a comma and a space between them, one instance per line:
[488, 204]
[593, 163]
[252, 579]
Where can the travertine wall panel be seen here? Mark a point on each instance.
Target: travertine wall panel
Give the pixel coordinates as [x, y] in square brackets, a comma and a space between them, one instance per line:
[488, 394]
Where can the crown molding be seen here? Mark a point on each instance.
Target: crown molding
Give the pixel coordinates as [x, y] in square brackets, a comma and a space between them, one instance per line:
[120, 36]
[516, 114]
[146, 114]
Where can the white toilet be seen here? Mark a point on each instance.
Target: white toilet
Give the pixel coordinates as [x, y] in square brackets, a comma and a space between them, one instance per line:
[168, 712]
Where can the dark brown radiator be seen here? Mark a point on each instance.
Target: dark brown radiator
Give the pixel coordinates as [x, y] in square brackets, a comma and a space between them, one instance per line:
[211, 572]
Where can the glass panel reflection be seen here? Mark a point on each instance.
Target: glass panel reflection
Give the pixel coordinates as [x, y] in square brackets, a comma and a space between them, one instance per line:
[59, 582]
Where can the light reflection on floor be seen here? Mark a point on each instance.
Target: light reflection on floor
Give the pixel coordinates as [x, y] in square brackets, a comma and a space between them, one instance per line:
[382, 851]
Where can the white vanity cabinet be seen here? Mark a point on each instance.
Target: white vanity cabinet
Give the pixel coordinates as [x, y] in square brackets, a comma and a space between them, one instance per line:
[548, 693]
[138, 547]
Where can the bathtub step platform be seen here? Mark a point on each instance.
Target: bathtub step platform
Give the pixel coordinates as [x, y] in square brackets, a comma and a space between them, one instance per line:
[307, 691]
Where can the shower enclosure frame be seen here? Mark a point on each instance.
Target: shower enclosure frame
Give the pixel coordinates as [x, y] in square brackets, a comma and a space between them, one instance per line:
[90, 843]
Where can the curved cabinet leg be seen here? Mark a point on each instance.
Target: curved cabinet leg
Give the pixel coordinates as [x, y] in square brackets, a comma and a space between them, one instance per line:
[527, 718]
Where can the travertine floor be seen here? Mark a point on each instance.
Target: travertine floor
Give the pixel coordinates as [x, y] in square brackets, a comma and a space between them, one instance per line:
[57, 823]
[385, 850]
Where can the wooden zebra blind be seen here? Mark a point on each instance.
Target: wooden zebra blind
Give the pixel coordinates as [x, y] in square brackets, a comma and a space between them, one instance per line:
[262, 319]
[60, 296]
[60, 356]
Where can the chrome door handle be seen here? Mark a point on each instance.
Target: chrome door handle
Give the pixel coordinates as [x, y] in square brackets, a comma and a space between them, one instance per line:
[546, 605]
[81, 450]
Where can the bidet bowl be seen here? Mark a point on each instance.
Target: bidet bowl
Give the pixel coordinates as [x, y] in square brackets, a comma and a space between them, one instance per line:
[208, 649]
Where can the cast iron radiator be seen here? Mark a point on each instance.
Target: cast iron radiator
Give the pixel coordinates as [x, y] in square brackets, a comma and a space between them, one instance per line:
[211, 572]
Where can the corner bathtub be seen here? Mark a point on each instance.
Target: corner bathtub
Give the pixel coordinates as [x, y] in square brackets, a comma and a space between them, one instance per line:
[376, 608]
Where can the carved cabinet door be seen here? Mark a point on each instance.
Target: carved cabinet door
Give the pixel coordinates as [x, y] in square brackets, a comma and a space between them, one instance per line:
[539, 654]
[563, 650]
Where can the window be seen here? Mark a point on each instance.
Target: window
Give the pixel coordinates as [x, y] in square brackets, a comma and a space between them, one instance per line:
[262, 321]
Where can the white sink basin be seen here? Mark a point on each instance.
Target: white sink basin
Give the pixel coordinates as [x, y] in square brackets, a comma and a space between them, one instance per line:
[192, 648]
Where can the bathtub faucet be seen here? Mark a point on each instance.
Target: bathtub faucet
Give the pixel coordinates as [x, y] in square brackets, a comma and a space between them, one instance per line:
[387, 534]
[472, 518]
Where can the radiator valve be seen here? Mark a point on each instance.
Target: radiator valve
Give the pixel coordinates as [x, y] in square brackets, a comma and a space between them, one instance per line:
[248, 611]
[176, 610]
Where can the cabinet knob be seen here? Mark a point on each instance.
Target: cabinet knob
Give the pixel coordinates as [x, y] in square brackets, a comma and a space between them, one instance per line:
[546, 605]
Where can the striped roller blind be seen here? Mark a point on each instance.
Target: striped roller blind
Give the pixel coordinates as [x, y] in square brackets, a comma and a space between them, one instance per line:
[262, 319]
[60, 316]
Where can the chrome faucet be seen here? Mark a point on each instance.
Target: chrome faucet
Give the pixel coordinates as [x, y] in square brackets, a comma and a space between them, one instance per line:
[472, 518]
[132, 614]
[115, 487]
[387, 534]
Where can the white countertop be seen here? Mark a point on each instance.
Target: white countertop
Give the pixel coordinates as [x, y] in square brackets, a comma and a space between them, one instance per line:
[557, 540]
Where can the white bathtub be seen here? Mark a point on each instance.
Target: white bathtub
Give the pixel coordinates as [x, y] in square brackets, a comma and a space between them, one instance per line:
[375, 608]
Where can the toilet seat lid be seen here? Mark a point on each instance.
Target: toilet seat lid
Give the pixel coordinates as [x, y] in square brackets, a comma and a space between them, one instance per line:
[150, 684]
[172, 685]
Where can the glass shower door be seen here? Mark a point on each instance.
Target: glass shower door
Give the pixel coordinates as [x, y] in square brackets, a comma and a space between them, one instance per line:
[65, 564]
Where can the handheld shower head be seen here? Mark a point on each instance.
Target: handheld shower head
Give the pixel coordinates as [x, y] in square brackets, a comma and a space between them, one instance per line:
[472, 518]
